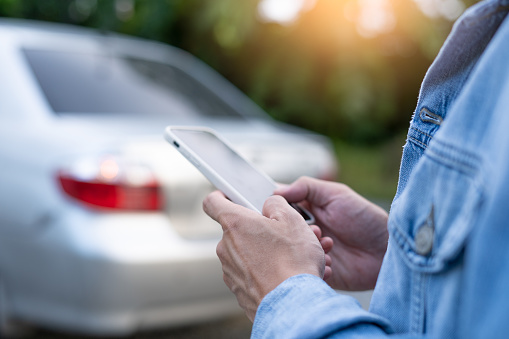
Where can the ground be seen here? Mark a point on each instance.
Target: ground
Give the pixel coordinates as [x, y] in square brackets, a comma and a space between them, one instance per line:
[236, 327]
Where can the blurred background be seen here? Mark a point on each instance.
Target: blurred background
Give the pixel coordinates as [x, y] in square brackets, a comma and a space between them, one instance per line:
[349, 69]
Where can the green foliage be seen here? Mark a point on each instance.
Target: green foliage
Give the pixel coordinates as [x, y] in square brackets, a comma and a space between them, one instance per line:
[323, 72]
[371, 170]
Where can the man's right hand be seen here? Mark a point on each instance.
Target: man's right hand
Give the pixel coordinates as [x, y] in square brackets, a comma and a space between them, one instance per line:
[357, 227]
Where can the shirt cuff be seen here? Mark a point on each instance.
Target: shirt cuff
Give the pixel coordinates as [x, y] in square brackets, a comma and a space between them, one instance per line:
[304, 306]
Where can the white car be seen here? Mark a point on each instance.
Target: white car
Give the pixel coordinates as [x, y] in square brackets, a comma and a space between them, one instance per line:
[101, 224]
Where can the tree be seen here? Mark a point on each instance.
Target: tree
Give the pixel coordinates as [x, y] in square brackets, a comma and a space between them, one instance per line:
[345, 68]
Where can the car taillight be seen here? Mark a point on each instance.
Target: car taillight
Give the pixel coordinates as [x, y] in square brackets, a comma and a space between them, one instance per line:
[112, 183]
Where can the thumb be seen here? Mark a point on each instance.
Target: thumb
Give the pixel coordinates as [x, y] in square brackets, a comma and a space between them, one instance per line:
[304, 188]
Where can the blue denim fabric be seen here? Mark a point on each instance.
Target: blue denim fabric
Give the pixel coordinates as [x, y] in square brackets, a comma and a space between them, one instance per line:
[446, 270]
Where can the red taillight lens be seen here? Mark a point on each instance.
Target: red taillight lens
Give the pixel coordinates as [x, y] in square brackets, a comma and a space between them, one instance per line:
[112, 195]
[112, 186]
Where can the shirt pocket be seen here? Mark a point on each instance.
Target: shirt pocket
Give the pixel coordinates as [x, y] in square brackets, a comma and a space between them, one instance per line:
[432, 218]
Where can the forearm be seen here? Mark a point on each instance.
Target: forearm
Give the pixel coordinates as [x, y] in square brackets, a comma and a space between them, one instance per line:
[306, 307]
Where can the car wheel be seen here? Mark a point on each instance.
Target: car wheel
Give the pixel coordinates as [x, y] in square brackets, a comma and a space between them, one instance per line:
[10, 328]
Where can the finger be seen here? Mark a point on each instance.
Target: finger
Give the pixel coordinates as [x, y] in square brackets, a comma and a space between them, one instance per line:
[215, 203]
[228, 281]
[328, 260]
[317, 231]
[327, 244]
[305, 188]
[281, 186]
[277, 208]
[295, 192]
[222, 210]
[221, 251]
[327, 273]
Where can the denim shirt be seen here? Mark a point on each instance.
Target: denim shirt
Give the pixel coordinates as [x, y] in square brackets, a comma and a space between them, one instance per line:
[446, 270]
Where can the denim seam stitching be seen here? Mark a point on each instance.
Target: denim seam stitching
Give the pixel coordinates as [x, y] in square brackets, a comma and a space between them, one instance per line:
[420, 143]
[435, 263]
[470, 155]
[455, 158]
[457, 166]
[421, 132]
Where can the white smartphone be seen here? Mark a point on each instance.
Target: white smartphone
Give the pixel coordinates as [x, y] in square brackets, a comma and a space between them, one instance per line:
[226, 169]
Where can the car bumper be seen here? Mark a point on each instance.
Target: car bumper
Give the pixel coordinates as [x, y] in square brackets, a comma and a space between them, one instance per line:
[115, 274]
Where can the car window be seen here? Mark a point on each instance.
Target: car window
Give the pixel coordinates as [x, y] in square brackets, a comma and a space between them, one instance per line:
[94, 83]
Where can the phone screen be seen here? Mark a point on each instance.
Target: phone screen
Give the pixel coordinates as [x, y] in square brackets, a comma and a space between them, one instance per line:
[249, 182]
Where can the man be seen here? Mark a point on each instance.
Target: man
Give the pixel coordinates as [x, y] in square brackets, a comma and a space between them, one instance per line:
[440, 262]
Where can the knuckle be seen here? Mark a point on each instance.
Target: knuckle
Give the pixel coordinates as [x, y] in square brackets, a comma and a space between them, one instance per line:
[274, 200]
[227, 280]
[205, 202]
[221, 250]
[304, 180]
[227, 219]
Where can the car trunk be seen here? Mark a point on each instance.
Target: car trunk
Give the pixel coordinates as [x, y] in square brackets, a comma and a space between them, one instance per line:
[282, 155]
[283, 158]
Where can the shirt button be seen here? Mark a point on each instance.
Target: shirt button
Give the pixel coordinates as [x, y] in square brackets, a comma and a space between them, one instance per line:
[424, 240]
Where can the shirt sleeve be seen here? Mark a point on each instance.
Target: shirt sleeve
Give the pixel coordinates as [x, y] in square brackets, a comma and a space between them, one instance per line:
[304, 306]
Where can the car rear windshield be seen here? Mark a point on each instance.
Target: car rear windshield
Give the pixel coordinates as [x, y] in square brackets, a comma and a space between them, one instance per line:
[92, 83]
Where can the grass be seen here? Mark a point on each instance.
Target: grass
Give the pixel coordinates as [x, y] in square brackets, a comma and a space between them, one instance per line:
[371, 170]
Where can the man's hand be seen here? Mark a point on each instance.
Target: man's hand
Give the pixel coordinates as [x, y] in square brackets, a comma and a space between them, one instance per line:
[357, 227]
[258, 252]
